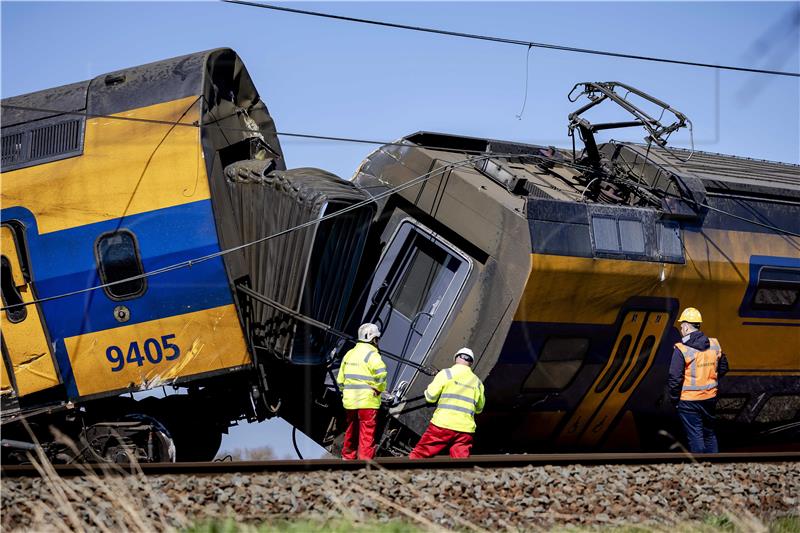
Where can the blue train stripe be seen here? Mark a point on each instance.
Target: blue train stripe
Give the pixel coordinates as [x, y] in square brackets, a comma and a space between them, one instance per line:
[64, 261]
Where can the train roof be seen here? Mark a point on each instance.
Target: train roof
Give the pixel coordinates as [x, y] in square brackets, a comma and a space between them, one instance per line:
[217, 78]
[116, 91]
[549, 172]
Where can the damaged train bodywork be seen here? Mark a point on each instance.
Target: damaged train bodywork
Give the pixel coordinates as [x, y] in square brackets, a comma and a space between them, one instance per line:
[586, 317]
[239, 283]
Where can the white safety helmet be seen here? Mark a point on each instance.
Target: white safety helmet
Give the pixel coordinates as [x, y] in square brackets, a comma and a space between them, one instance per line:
[367, 332]
[465, 354]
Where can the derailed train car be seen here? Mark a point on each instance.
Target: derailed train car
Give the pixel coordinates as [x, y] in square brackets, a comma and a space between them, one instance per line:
[574, 340]
[236, 281]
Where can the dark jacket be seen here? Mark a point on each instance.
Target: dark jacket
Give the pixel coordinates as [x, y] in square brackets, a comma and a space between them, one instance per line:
[698, 341]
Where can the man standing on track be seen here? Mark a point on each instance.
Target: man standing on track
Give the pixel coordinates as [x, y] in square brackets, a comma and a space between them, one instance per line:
[697, 364]
[362, 379]
[460, 396]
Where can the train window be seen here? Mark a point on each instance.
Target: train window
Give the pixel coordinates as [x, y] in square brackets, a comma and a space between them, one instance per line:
[779, 408]
[10, 294]
[558, 363]
[729, 407]
[612, 235]
[606, 236]
[412, 292]
[669, 241]
[778, 288]
[118, 258]
[631, 236]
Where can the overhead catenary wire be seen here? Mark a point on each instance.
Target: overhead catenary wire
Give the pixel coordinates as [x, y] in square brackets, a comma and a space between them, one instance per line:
[196, 124]
[201, 259]
[504, 40]
[479, 155]
[312, 136]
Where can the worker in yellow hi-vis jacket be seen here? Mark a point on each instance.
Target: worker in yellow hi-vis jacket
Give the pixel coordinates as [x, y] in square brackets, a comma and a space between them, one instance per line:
[460, 397]
[362, 379]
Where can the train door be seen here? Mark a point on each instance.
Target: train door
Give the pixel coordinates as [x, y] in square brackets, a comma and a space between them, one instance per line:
[414, 289]
[28, 363]
[630, 359]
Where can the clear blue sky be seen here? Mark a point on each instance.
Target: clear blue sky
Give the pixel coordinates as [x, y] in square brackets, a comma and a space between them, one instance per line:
[344, 79]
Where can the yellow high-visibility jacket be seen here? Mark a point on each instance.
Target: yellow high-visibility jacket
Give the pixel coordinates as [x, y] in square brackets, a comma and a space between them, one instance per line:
[460, 396]
[361, 374]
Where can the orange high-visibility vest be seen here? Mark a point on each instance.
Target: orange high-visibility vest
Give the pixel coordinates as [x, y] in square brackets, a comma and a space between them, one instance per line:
[700, 373]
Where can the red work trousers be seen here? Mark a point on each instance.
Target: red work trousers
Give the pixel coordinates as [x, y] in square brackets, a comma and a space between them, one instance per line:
[435, 439]
[360, 434]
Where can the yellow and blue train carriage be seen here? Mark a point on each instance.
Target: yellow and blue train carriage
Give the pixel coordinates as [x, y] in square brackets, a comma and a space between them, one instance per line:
[130, 204]
[90, 200]
[111, 179]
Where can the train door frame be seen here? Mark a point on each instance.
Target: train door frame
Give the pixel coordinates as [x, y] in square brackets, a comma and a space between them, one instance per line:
[393, 264]
[36, 331]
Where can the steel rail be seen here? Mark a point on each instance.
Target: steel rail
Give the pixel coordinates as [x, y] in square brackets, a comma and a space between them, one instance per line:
[403, 463]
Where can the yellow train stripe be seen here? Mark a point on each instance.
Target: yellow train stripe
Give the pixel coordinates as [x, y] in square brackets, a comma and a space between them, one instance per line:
[5, 380]
[151, 354]
[126, 168]
[655, 326]
[25, 341]
[569, 290]
[623, 350]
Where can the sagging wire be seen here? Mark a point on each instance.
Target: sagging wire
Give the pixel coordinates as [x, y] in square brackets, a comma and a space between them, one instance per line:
[191, 262]
[294, 443]
[525, 97]
[311, 136]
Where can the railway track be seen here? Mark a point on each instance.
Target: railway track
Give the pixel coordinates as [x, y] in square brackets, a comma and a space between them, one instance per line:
[403, 463]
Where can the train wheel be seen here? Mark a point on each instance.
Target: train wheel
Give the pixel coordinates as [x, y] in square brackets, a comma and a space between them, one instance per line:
[136, 438]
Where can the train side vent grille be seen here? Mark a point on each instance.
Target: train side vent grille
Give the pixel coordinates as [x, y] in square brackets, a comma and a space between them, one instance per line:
[55, 139]
[45, 143]
[13, 148]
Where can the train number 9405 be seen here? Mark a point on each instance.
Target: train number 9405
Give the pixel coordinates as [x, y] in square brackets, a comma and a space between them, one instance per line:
[151, 350]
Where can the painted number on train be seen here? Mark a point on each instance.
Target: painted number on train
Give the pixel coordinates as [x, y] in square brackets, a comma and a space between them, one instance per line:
[151, 351]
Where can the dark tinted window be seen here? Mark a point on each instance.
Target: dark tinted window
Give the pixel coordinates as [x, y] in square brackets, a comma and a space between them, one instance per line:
[669, 240]
[412, 292]
[631, 236]
[560, 360]
[778, 288]
[117, 259]
[614, 235]
[606, 237]
[11, 295]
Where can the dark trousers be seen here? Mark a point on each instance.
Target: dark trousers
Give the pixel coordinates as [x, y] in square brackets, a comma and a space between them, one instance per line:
[698, 422]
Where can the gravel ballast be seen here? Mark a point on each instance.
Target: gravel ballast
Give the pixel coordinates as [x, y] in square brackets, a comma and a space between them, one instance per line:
[496, 499]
